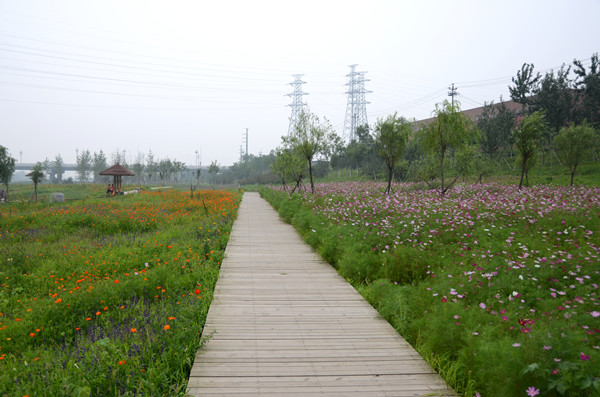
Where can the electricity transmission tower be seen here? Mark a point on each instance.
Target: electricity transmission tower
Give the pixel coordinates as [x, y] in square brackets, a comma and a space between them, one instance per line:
[297, 103]
[356, 109]
[244, 142]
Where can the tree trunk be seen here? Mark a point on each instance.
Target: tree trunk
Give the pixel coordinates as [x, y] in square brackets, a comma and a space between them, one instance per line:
[522, 174]
[312, 184]
[442, 171]
[35, 190]
[389, 186]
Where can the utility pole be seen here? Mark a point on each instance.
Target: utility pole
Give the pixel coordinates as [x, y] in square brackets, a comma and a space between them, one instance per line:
[297, 103]
[452, 93]
[356, 109]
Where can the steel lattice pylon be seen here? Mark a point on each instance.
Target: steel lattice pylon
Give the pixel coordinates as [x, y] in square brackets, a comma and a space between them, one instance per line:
[297, 103]
[356, 109]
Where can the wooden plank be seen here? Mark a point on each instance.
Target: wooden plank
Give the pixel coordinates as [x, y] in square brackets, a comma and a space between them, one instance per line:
[283, 322]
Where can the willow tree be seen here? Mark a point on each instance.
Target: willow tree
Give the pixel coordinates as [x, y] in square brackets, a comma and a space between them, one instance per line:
[391, 136]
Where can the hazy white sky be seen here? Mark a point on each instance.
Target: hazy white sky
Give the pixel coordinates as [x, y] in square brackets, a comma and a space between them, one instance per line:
[175, 76]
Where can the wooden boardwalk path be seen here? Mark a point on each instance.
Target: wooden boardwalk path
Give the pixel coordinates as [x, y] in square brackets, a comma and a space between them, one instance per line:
[284, 323]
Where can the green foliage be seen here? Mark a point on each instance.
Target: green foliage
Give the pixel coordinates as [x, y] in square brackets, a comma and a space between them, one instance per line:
[7, 168]
[310, 138]
[573, 144]
[588, 85]
[391, 136]
[450, 131]
[289, 166]
[84, 166]
[555, 96]
[526, 138]
[495, 125]
[213, 169]
[37, 176]
[524, 85]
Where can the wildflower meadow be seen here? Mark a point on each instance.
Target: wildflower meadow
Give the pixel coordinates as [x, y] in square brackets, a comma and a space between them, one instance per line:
[108, 296]
[496, 287]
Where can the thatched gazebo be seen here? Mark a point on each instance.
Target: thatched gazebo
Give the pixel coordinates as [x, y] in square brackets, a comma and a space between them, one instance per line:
[117, 171]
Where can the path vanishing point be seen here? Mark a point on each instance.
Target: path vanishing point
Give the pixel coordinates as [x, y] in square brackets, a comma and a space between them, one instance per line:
[284, 323]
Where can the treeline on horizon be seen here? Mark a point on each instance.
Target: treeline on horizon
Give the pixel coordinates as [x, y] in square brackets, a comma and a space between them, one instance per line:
[565, 105]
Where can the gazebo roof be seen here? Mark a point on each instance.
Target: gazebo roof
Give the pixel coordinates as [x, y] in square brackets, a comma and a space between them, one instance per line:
[117, 169]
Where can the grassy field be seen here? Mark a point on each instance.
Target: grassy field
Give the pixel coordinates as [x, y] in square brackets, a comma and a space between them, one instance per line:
[496, 287]
[107, 296]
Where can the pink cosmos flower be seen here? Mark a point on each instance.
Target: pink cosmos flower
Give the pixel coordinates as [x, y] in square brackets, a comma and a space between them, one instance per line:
[532, 391]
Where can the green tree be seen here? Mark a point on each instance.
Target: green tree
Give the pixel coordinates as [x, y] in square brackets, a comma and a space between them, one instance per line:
[524, 85]
[495, 124]
[99, 164]
[311, 138]
[588, 84]
[391, 136]
[37, 176]
[84, 166]
[7, 168]
[526, 136]
[58, 167]
[572, 144]
[138, 166]
[555, 96]
[213, 169]
[289, 166]
[151, 166]
[450, 132]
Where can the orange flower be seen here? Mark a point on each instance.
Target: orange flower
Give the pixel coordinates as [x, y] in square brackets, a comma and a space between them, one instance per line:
[98, 313]
[133, 330]
[197, 291]
[116, 281]
[17, 319]
[88, 319]
[166, 327]
[58, 300]
[171, 318]
[122, 362]
[32, 334]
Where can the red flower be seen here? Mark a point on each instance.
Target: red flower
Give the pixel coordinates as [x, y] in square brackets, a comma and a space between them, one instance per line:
[197, 291]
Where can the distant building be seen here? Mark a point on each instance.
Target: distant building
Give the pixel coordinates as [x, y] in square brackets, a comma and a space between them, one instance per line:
[475, 113]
